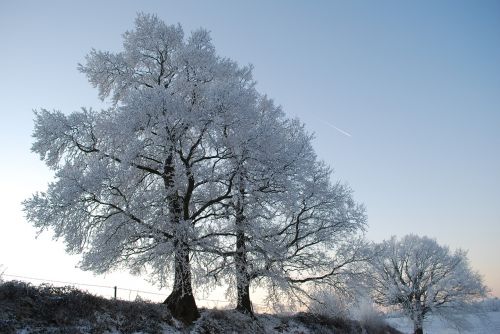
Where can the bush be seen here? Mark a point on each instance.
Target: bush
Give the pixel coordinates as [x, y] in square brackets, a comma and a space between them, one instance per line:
[366, 313]
[328, 304]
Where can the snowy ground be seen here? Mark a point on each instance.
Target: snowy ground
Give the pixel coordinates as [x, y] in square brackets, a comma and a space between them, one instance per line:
[490, 325]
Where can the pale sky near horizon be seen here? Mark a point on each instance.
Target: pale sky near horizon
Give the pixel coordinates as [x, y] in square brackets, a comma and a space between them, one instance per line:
[403, 97]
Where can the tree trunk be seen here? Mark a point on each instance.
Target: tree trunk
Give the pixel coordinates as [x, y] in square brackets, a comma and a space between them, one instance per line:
[418, 316]
[244, 303]
[180, 302]
[418, 325]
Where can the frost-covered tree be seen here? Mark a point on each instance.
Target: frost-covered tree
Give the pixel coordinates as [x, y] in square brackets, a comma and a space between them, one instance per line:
[190, 175]
[140, 184]
[421, 277]
[290, 226]
[262, 162]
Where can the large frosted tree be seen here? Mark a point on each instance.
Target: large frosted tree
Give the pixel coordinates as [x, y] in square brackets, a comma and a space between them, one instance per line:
[421, 277]
[137, 184]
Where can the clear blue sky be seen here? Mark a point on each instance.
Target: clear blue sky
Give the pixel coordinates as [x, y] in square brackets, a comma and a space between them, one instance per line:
[415, 85]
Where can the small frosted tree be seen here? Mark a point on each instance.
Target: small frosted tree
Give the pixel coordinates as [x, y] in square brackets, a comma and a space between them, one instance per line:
[421, 277]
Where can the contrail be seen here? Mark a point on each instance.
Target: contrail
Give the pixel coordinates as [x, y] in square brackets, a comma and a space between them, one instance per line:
[339, 130]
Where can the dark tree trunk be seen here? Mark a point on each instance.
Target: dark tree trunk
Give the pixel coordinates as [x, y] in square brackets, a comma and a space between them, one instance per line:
[418, 317]
[244, 303]
[181, 301]
[418, 322]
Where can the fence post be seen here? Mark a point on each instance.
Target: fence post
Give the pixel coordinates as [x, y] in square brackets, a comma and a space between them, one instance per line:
[115, 291]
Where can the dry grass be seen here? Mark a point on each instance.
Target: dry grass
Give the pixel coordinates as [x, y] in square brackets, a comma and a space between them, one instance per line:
[69, 310]
[58, 310]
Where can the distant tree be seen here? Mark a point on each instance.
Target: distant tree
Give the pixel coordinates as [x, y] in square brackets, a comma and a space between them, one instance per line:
[421, 277]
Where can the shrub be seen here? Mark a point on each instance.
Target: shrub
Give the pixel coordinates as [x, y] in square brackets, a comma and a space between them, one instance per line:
[328, 304]
[366, 313]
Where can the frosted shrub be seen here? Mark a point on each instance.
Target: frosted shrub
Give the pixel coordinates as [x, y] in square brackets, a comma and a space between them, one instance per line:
[329, 304]
[366, 313]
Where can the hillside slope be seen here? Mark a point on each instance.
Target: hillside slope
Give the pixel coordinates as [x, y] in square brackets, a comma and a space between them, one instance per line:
[46, 309]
